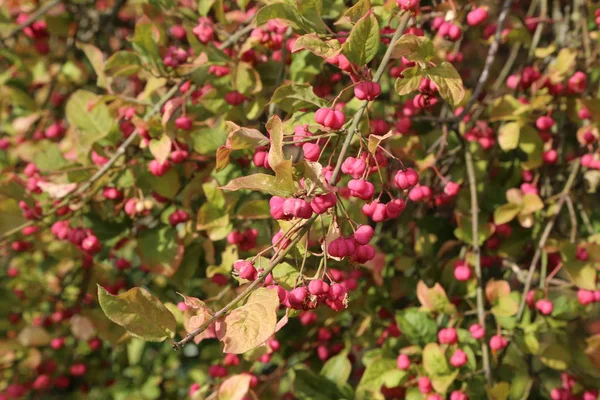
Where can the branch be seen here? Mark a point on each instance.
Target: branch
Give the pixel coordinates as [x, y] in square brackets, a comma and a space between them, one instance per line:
[538, 252]
[281, 255]
[123, 147]
[32, 18]
[363, 107]
[476, 249]
[489, 60]
[250, 288]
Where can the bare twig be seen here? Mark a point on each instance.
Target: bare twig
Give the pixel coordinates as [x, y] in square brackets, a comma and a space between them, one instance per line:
[123, 147]
[489, 60]
[357, 117]
[477, 252]
[32, 18]
[306, 226]
[544, 238]
[573, 218]
[249, 289]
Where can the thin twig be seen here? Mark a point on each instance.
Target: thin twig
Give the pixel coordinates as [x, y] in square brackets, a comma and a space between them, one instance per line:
[357, 117]
[489, 60]
[306, 226]
[32, 18]
[544, 238]
[573, 218]
[123, 147]
[249, 289]
[477, 253]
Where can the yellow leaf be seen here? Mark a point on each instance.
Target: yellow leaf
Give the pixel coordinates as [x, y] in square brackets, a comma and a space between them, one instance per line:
[250, 325]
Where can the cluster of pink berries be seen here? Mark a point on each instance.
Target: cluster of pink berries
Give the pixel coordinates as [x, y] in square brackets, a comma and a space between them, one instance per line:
[175, 56]
[568, 390]
[356, 247]
[245, 240]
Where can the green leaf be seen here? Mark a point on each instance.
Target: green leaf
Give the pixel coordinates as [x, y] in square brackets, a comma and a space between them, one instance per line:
[562, 65]
[506, 306]
[145, 43]
[355, 13]
[167, 185]
[317, 46]
[311, 11]
[247, 79]
[250, 325]
[448, 82]
[214, 220]
[465, 231]
[531, 143]
[434, 298]
[283, 11]
[140, 313]
[292, 97]
[582, 274]
[161, 148]
[437, 367]
[159, 250]
[90, 116]
[556, 356]
[96, 58]
[123, 63]
[434, 360]
[410, 81]
[443, 382]
[414, 48]
[362, 44]
[284, 274]
[508, 136]
[258, 182]
[10, 215]
[417, 326]
[499, 391]
[253, 209]
[506, 213]
[337, 369]
[374, 376]
[310, 386]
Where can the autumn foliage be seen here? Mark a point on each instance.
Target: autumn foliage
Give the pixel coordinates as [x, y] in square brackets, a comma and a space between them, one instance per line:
[311, 199]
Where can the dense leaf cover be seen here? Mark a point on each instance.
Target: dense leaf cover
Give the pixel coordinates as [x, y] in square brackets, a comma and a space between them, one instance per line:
[305, 199]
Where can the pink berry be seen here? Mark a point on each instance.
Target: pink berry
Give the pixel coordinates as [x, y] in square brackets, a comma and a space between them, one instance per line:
[448, 336]
[403, 362]
[297, 296]
[458, 359]
[425, 385]
[578, 82]
[451, 188]
[497, 342]
[544, 306]
[408, 5]
[311, 151]
[361, 188]
[158, 169]
[329, 118]
[318, 287]
[406, 179]
[477, 16]
[544, 123]
[320, 204]
[367, 90]
[462, 273]
[355, 167]
[585, 297]
[248, 272]
[363, 234]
